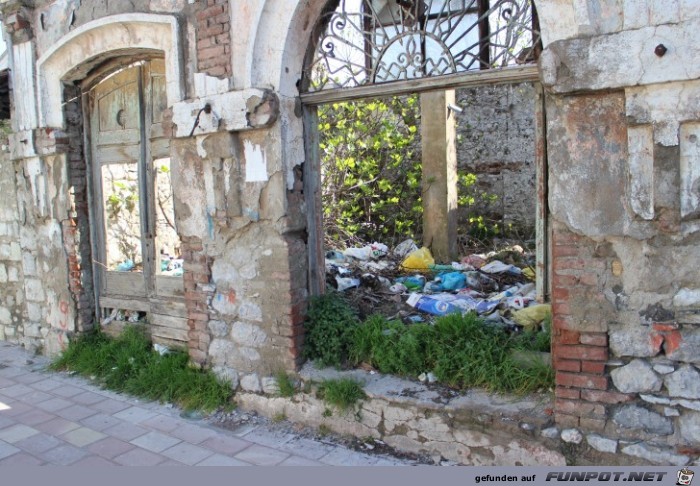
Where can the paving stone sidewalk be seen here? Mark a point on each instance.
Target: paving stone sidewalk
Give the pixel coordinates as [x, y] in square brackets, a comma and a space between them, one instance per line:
[49, 418]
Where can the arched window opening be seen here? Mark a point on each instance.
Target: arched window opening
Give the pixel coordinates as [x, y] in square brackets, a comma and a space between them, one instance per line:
[362, 42]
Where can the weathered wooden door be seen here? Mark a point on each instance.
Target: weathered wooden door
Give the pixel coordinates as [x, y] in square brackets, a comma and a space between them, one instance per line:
[137, 248]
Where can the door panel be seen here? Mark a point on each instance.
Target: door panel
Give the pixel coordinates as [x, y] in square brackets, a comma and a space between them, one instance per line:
[137, 245]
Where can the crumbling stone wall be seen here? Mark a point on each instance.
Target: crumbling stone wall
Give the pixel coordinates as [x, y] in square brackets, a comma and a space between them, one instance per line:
[12, 303]
[496, 141]
[622, 154]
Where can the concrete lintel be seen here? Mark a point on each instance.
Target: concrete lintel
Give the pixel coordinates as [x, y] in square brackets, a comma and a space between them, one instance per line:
[22, 145]
[690, 170]
[622, 59]
[232, 111]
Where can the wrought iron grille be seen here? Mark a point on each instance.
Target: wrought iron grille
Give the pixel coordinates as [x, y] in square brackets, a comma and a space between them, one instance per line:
[359, 42]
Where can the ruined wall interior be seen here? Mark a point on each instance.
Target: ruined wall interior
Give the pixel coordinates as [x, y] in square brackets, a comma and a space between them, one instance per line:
[496, 141]
[623, 123]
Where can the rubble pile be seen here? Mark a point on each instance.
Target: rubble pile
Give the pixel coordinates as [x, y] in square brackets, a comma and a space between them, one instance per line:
[407, 284]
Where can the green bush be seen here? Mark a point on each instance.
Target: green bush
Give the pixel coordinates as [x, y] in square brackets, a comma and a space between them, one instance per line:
[128, 364]
[329, 327]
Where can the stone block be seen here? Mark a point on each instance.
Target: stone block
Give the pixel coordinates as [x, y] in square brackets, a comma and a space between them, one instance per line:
[571, 436]
[3, 273]
[227, 374]
[218, 329]
[248, 334]
[655, 454]
[636, 342]
[602, 444]
[684, 383]
[251, 383]
[635, 417]
[686, 348]
[35, 290]
[5, 316]
[269, 385]
[635, 377]
[689, 424]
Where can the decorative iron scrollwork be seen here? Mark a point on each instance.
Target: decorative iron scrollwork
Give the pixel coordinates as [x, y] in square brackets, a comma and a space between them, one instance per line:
[375, 41]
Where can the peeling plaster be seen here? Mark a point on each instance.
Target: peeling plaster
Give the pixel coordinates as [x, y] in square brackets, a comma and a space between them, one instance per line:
[255, 162]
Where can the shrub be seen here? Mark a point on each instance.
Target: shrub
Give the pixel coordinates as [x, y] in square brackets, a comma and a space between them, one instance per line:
[329, 327]
[342, 393]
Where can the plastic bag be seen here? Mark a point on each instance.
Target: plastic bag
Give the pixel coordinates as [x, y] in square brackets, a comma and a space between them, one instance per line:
[531, 317]
[418, 260]
[404, 248]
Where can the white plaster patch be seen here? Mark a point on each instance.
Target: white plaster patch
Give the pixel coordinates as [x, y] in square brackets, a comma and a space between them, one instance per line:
[641, 166]
[690, 170]
[25, 112]
[205, 85]
[255, 162]
[248, 334]
[687, 298]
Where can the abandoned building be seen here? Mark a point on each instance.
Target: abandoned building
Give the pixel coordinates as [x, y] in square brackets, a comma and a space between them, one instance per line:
[163, 166]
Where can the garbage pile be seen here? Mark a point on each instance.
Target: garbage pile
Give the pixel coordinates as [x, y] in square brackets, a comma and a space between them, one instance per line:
[499, 286]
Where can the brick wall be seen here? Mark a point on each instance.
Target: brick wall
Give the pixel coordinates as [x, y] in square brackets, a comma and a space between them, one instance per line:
[580, 346]
[198, 294]
[76, 229]
[214, 38]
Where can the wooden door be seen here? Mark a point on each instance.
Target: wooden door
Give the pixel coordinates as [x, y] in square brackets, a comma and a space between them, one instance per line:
[137, 248]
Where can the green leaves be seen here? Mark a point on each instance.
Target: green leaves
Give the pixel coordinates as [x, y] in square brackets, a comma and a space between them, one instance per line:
[371, 169]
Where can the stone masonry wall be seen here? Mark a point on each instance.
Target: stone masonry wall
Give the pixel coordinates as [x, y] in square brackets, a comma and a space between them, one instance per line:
[496, 141]
[12, 302]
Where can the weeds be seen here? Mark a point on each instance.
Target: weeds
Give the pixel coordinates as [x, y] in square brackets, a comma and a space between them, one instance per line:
[128, 364]
[342, 393]
[461, 350]
[285, 384]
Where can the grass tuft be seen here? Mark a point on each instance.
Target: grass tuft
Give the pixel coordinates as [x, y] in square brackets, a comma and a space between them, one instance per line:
[342, 393]
[128, 364]
[285, 384]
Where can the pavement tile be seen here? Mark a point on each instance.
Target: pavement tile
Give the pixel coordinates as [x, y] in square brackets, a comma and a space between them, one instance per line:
[87, 398]
[76, 412]
[54, 404]
[57, 426]
[171, 462]
[222, 460]
[7, 450]
[225, 444]
[139, 457]
[7, 421]
[35, 396]
[29, 378]
[63, 455]
[16, 391]
[47, 384]
[11, 371]
[344, 457]
[94, 461]
[67, 391]
[187, 453]
[155, 441]
[135, 414]
[15, 433]
[100, 421]
[269, 438]
[307, 448]
[82, 436]
[299, 461]
[109, 405]
[163, 423]
[110, 447]
[126, 431]
[21, 459]
[261, 455]
[5, 382]
[194, 434]
[34, 417]
[38, 443]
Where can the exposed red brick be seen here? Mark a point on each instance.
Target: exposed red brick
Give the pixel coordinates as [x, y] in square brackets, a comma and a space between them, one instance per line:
[594, 338]
[564, 251]
[673, 340]
[581, 380]
[593, 424]
[566, 421]
[571, 393]
[601, 396]
[665, 326]
[594, 367]
[564, 336]
[589, 353]
[580, 408]
[567, 365]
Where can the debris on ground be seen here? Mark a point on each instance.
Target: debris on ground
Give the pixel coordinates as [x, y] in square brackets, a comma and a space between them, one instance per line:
[406, 283]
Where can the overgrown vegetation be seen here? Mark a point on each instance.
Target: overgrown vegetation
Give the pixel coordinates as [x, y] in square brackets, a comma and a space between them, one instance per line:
[461, 350]
[128, 364]
[342, 393]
